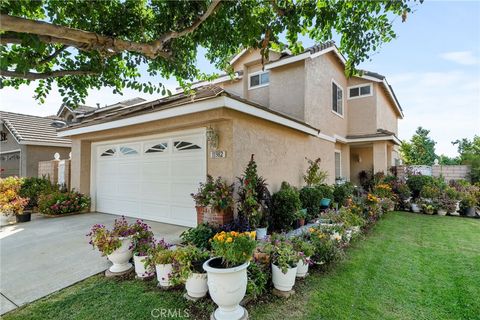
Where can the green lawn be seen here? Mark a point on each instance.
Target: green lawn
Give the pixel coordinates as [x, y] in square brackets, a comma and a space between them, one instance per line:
[410, 266]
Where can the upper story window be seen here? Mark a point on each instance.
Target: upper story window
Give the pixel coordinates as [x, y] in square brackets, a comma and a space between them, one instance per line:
[337, 98]
[363, 90]
[258, 79]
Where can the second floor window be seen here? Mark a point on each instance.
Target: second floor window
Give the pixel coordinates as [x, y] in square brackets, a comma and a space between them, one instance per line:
[337, 99]
[258, 79]
[360, 91]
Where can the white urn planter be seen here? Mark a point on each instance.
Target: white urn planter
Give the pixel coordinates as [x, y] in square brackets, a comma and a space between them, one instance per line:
[442, 212]
[163, 274]
[140, 270]
[416, 208]
[121, 257]
[196, 285]
[283, 281]
[261, 233]
[4, 219]
[227, 287]
[302, 268]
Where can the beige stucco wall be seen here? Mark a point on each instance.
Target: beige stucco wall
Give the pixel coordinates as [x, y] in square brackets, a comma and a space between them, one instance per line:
[361, 159]
[318, 94]
[35, 154]
[345, 159]
[287, 89]
[362, 112]
[279, 151]
[235, 87]
[386, 115]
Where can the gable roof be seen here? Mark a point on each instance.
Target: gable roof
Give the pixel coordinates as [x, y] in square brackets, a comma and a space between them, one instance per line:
[205, 98]
[32, 130]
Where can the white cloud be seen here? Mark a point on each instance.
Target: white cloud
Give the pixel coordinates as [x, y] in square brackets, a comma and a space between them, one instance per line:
[466, 58]
[447, 103]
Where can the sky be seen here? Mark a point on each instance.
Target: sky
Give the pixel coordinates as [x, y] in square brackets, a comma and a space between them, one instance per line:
[433, 66]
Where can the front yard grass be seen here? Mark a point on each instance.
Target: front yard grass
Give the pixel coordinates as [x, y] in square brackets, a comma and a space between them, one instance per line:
[410, 266]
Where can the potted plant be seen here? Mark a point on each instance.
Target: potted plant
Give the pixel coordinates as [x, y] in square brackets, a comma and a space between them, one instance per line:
[116, 243]
[305, 251]
[227, 272]
[142, 242]
[188, 269]
[214, 202]
[447, 201]
[467, 204]
[254, 199]
[301, 216]
[284, 263]
[11, 203]
[160, 257]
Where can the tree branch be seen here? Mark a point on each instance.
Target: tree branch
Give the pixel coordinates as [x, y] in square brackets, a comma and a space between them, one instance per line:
[52, 56]
[86, 40]
[45, 75]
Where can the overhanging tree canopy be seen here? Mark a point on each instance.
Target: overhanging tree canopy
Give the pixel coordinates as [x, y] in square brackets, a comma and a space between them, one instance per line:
[84, 44]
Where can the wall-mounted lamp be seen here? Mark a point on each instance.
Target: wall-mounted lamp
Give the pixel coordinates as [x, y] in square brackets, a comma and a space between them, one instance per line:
[212, 138]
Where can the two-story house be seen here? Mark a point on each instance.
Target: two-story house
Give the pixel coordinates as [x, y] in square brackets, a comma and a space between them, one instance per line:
[145, 159]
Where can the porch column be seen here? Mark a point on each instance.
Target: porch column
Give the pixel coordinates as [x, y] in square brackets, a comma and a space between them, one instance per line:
[380, 157]
[80, 166]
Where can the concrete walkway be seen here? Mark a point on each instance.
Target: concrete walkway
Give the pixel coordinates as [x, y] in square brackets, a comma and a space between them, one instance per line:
[48, 254]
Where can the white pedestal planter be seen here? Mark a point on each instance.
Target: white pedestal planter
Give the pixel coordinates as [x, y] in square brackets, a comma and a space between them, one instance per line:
[197, 285]
[283, 281]
[261, 233]
[442, 212]
[163, 274]
[415, 208]
[227, 288]
[302, 269]
[4, 219]
[140, 269]
[121, 256]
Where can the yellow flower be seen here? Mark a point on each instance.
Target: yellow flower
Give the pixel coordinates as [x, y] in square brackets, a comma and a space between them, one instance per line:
[311, 230]
[234, 233]
[253, 234]
[229, 239]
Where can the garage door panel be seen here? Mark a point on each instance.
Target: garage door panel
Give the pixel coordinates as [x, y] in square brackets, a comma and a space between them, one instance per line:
[151, 179]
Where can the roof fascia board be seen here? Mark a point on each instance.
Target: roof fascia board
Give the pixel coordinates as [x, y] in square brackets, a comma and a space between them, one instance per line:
[47, 144]
[235, 58]
[289, 60]
[7, 125]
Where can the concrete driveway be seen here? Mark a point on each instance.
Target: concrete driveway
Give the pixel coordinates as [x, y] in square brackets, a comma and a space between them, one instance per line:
[47, 254]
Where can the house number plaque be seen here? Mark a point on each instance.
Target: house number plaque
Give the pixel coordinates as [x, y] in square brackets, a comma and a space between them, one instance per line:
[217, 154]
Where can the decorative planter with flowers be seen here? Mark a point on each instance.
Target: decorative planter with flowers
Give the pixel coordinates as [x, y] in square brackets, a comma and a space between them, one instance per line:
[188, 269]
[11, 203]
[227, 272]
[143, 241]
[284, 263]
[116, 243]
[305, 250]
[214, 202]
[161, 257]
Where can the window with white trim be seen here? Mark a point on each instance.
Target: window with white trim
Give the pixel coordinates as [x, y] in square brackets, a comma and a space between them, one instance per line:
[338, 164]
[258, 79]
[363, 90]
[337, 98]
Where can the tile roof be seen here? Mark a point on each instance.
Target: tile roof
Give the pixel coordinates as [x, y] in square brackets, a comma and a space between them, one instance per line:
[182, 98]
[29, 129]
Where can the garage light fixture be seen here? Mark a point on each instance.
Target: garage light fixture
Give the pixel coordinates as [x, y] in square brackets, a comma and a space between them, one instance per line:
[212, 138]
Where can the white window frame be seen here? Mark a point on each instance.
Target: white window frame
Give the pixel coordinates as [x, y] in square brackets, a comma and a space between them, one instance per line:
[359, 93]
[341, 115]
[334, 162]
[259, 73]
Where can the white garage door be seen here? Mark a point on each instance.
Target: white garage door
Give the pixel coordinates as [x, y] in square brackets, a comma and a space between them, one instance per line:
[151, 178]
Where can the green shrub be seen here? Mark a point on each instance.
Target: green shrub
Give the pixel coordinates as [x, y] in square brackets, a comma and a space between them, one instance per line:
[285, 204]
[342, 192]
[310, 198]
[258, 276]
[417, 182]
[326, 191]
[63, 202]
[199, 236]
[33, 187]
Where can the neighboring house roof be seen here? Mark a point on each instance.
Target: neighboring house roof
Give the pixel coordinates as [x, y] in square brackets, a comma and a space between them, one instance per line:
[172, 106]
[32, 130]
[78, 110]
